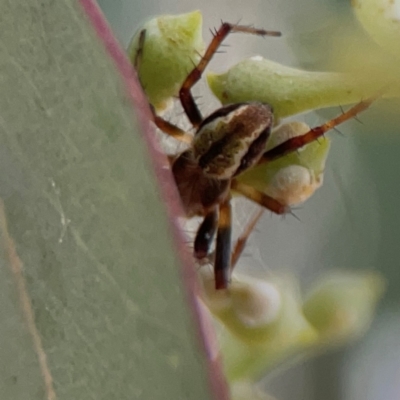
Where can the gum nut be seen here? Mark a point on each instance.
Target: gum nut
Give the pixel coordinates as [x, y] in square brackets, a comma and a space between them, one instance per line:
[288, 90]
[172, 44]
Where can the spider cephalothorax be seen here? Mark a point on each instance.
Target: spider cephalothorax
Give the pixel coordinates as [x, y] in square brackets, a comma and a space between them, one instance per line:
[228, 142]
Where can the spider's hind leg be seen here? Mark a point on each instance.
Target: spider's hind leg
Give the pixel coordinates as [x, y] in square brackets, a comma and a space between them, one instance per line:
[243, 238]
[259, 197]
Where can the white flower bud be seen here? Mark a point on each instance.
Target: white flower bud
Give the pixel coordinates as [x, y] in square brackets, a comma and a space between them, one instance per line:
[293, 184]
[255, 304]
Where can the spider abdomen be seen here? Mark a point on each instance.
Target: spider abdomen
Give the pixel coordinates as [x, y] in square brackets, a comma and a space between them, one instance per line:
[232, 139]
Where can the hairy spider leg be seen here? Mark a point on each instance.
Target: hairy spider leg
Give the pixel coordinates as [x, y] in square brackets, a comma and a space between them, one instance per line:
[185, 95]
[171, 129]
[244, 236]
[237, 250]
[222, 262]
[167, 127]
[259, 197]
[297, 142]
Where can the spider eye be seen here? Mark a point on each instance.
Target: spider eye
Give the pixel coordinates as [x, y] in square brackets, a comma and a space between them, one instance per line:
[232, 139]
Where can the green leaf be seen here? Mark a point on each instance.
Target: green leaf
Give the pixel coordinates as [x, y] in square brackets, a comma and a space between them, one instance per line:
[92, 297]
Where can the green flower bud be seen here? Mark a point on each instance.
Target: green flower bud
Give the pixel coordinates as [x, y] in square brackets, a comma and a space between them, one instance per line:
[246, 390]
[294, 178]
[261, 324]
[172, 45]
[257, 311]
[291, 91]
[341, 306]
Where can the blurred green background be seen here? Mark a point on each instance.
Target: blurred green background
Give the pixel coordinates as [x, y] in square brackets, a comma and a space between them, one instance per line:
[352, 222]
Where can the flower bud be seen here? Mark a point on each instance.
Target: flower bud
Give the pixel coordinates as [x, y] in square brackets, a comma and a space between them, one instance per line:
[289, 90]
[294, 178]
[245, 390]
[342, 305]
[172, 45]
[257, 311]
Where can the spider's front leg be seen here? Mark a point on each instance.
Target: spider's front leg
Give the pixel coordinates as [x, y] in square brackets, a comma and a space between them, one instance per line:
[205, 234]
[185, 95]
[222, 263]
[220, 220]
[225, 260]
[204, 237]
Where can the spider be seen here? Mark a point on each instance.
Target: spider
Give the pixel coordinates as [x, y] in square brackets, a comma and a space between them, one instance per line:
[226, 143]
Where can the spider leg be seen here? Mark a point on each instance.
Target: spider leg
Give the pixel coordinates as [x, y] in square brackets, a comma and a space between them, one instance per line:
[171, 129]
[242, 239]
[259, 197]
[139, 52]
[297, 142]
[222, 270]
[205, 234]
[186, 97]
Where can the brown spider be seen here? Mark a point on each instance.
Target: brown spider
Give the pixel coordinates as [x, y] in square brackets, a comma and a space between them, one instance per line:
[226, 143]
